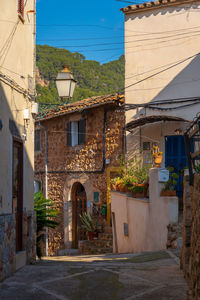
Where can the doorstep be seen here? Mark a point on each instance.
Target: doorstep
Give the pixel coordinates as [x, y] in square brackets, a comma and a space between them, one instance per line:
[68, 252]
[20, 259]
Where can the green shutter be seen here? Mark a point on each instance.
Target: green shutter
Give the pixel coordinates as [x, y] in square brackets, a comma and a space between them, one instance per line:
[96, 196]
[69, 135]
[81, 131]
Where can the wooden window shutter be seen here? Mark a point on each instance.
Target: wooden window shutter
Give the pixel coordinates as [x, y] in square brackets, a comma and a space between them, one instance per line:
[81, 131]
[37, 140]
[69, 134]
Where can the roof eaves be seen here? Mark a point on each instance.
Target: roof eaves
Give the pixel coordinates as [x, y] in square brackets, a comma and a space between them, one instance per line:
[94, 105]
[153, 5]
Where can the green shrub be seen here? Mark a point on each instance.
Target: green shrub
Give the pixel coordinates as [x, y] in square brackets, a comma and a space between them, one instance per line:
[46, 214]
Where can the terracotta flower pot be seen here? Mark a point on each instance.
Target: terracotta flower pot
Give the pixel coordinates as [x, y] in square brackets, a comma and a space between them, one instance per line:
[157, 160]
[142, 194]
[122, 188]
[92, 235]
[168, 193]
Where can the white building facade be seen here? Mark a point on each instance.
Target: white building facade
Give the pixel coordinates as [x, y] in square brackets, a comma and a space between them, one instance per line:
[162, 77]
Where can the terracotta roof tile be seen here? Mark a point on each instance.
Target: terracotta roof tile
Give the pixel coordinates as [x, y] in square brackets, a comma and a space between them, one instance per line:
[82, 105]
[156, 4]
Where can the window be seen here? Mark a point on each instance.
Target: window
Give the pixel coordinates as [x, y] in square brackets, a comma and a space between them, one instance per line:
[76, 132]
[146, 146]
[37, 186]
[37, 145]
[96, 196]
[21, 8]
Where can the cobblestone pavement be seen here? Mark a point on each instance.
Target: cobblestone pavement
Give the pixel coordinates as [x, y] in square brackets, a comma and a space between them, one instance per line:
[154, 276]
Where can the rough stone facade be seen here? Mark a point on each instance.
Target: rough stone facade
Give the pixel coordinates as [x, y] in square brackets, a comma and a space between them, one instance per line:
[86, 164]
[29, 236]
[190, 260]
[7, 245]
[7, 242]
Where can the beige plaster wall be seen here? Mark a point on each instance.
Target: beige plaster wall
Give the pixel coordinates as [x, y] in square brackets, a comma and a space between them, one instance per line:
[17, 40]
[155, 134]
[133, 212]
[147, 219]
[156, 39]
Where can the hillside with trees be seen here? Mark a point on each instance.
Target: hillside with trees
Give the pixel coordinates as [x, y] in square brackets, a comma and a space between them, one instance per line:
[92, 77]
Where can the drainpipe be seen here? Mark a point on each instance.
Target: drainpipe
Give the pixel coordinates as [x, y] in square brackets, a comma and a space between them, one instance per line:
[46, 181]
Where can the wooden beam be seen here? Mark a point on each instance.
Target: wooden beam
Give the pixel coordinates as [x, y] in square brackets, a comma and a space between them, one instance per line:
[197, 153]
[194, 131]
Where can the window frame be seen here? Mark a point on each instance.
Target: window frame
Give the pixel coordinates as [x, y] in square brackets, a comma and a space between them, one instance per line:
[37, 186]
[80, 134]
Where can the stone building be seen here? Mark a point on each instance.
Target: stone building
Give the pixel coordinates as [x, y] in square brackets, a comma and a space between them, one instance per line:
[77, 147]
[17, 94]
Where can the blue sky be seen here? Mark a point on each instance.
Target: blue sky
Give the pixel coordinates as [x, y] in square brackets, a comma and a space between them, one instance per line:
[93, 28]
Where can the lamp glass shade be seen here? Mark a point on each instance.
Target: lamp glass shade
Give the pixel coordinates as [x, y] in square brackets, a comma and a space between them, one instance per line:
[65, 83]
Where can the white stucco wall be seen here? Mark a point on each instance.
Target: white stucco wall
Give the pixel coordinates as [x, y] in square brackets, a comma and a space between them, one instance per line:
[17, 48]
[156, 39]
[154, 134]
[147, 219]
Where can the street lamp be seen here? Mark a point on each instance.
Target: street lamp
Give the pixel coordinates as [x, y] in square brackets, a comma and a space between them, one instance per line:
[65, 83]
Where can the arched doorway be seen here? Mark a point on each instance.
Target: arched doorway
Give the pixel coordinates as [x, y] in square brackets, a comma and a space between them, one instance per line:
[79, 205]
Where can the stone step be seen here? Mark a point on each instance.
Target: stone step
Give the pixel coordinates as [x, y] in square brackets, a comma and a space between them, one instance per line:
[105, 236]
[107, 229]
[96, 250]
[68, 252]
[102, 243]
[95, 247]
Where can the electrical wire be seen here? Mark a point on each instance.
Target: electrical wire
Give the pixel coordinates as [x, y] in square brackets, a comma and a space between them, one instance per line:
[5, 48]
[60, 50]
[172, 108]
[20, 75]
[164, 70]
[9, 81]
[121, 36]
[148, 77]
[105, 27]
[161, 87]
[134, 41]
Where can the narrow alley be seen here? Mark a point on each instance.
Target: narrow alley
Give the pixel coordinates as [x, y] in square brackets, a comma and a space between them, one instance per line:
[152, 275]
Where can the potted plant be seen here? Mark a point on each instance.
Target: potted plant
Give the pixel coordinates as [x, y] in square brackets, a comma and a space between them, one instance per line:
[117, 184]
[157, 156]
[169, 188]
[90, 225]
[134, 178]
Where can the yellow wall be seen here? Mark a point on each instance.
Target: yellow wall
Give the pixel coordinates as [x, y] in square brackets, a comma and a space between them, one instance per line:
[17, 62]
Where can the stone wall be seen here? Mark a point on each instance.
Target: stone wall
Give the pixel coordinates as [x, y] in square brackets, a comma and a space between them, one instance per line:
[7, 242]
[7, 245]
[190, 260]
[85, 162]
[29, 236]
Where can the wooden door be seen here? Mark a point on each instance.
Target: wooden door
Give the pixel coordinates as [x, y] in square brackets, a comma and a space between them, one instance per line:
[17, 191]
[175, 156]
[79, 205]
